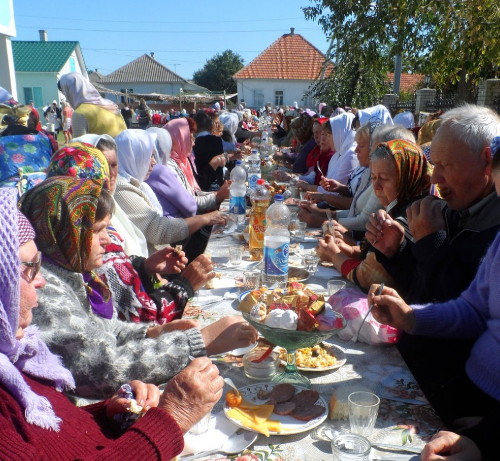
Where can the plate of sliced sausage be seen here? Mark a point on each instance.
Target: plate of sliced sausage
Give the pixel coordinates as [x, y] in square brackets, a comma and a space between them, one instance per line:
[297, 408]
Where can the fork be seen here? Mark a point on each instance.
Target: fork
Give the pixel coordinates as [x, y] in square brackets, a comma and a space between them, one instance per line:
[319, 169]
[377, 293]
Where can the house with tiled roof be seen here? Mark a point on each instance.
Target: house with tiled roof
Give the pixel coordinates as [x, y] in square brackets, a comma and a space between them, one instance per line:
[282, 73]
[145, 75]
[408, 82]
[39, 64]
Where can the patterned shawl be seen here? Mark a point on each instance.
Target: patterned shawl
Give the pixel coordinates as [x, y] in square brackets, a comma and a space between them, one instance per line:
[414, 170]
[62, 211]
[79, 160]
[28, 354]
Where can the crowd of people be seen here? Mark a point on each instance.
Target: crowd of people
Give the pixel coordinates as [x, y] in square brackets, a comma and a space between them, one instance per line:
[90, 234]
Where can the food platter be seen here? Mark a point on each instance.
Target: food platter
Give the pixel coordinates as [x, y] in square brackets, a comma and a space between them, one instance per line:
[298, 274]
[332, 349]
[289, 425]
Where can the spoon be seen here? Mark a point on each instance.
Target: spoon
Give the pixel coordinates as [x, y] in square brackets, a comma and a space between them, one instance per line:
[236, 443]
[229, 382]
[377, 293]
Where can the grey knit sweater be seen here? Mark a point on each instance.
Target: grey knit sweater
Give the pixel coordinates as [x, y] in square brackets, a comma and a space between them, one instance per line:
[104, 354]
[158, 229]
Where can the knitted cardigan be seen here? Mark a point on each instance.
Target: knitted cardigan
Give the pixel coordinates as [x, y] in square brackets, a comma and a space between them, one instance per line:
[86, 433]
[103, 354]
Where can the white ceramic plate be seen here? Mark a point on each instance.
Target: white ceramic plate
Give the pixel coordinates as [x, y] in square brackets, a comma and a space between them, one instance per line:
[334, 350]
[289, 425]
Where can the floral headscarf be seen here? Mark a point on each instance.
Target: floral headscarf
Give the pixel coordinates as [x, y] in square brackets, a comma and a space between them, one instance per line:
[414, 171]
[79, 160]
[62, 211]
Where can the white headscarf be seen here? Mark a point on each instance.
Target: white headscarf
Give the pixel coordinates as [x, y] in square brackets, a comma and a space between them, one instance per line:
[405, 119]
[343, 133]
[379, 111]
[78, 90]
[163, 144]
[230, 121]
[93, 139]
[135, 148]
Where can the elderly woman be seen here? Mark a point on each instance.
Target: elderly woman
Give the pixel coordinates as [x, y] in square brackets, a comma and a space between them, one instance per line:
[92, 113]
[136, 159]
[77, 318]
[400, 175]
[35, 416]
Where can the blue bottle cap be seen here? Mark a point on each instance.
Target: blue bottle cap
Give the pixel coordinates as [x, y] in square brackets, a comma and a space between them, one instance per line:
[278, 197]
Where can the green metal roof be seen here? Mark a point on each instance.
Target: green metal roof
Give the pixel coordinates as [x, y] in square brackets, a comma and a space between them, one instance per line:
[41, 56]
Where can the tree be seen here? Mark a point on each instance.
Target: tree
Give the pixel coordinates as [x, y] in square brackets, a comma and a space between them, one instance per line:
[455, 41]
[217, 73]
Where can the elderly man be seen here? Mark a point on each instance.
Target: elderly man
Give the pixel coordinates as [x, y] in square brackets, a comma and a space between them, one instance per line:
[453, 234]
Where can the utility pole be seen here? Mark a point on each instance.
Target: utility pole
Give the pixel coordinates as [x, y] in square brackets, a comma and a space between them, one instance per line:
[398, 63]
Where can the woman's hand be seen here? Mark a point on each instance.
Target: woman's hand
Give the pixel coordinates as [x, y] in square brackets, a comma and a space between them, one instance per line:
[390, 309]
[281, 175]
[327, 248]
[304, 185]
[146, 395]
[223, 192]
[200, 385]
[215, 218]
[165, 261]
[331, 185]
[230, 332]
[384, 233]
[199, 272]
[315, 197]
[218, 161]
[451, 447]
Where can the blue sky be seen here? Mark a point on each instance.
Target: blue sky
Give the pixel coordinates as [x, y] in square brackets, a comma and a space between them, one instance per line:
[183, 35]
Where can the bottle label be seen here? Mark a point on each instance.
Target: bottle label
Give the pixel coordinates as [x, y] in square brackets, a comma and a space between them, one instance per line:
[276, 260]
[252, 180]
[257, 229]
[237, 205]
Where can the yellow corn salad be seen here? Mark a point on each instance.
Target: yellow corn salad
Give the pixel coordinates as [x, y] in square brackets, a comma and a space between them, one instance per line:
[312, 357]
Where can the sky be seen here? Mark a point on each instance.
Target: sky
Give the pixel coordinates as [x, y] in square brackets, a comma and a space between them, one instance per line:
[183, 35]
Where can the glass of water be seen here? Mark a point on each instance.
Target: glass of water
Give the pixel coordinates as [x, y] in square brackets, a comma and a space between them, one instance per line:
[311, 263]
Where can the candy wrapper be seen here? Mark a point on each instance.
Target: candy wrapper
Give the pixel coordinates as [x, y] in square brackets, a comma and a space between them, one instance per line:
[353, 305]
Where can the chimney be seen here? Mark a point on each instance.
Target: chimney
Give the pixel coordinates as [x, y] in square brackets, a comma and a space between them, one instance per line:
[292, 30]
[43, 35]
[152, 54]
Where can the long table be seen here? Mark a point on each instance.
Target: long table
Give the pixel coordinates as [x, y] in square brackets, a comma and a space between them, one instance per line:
[379, 368]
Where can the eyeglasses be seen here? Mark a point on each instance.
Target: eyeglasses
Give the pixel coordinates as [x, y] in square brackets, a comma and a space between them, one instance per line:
[32, 268]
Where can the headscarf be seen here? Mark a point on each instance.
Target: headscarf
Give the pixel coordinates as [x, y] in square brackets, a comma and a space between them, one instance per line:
[62, 210]
[78, 90]
[379, 111]
[338, 111]
[428, 131]
[163, 144]
[405, 119]
[320, 107]
[28, 354]
[134, 150]
[343, 134]
[79, 160]
[181, 149]
[230, 121]
[93, 139]
[414, 171]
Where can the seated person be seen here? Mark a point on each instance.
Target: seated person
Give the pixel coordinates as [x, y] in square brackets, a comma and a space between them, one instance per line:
[400, 175]
[35, 415]
[136, 159]
[302, 128]
[77, 319]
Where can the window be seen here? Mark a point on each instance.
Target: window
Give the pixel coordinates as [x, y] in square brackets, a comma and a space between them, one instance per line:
[127, 91]
[72, 66]
[258, 98]
[33, 93]
[278, 98]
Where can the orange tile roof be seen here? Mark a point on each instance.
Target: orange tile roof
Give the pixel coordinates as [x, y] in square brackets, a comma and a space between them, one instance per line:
[409, 82]
[289, 57]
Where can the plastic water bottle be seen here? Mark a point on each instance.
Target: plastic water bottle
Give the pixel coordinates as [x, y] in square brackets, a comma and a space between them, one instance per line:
[254, 172]
[237, 192]
[276, 245]
[260, 203]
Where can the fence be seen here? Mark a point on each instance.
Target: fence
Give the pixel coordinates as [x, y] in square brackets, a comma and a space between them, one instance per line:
[403, 106]
[441, 103]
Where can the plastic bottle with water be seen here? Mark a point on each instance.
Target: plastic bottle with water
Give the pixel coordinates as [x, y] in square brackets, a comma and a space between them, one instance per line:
[276, 245]
[260, 203]
[237, 192]
[254, 172]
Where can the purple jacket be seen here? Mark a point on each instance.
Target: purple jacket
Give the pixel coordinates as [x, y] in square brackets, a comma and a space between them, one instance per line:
[474, 314]
[175, 200]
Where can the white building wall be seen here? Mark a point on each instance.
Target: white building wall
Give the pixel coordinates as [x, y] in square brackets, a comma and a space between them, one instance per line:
[143, 88]
[47, 81]
[293, 90]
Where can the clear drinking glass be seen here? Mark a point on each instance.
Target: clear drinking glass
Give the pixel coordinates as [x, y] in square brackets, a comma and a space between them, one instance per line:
[335, 285]
[251, 280]
[363, 411]
[311, 263]
[235, 255]
[300, 231]
[350, 447]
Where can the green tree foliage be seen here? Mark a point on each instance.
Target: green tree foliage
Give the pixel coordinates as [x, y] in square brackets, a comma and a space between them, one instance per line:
[455, 41]
[217, 73]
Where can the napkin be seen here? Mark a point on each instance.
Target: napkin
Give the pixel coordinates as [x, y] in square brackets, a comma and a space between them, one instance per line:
[220, 429]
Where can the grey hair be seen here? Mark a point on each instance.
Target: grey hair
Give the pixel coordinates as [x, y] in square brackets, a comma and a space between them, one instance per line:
[473, 125]
[106, 143]
[386, 133]
[381, 152]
